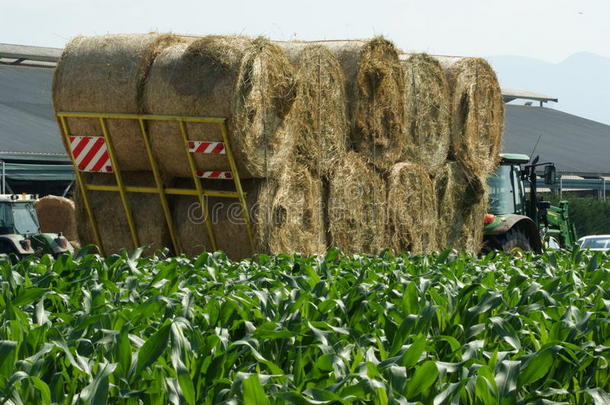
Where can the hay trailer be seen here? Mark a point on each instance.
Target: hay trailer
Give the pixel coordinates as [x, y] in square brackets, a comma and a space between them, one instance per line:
[20, 234]
[97, 155]
[518, 222]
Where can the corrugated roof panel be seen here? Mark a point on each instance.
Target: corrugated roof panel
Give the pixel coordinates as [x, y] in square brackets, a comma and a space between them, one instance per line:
[27, 121]
[573, 143]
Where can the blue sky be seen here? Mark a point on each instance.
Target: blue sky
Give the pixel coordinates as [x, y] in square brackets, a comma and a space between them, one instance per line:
[549, 30]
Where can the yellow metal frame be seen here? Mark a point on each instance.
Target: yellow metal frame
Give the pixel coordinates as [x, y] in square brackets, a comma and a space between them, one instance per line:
[200, 192]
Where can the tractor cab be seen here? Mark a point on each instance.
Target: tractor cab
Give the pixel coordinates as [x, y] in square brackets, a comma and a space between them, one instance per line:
[18, 216]
[20, 233]
[506, 190]
[517, 218]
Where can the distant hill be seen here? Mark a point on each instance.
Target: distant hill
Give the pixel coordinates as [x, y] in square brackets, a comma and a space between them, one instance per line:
[581, 82]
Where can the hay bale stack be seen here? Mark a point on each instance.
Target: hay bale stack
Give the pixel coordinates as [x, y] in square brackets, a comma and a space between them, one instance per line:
[55, 215]
[379, 122]
[286, 213]
[375, 96]
[477, 113]
[110, 216]
[427, 111]
[461, 204]
[250, 82]
[412, 210]
[319, 113]
[293, 219]
[356, 207]
[107, 74]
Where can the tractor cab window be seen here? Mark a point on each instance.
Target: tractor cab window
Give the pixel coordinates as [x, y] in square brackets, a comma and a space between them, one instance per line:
[6, 219]
[501, 191]
[24, 217]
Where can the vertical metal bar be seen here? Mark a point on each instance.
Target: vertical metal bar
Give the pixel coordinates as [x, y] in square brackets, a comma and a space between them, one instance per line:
[160, 188]
[238, 187]
[119, 180]
[3, 177]
[200, 192]
[65, 132]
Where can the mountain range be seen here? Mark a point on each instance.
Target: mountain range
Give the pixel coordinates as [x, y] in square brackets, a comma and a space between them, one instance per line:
[581, 82]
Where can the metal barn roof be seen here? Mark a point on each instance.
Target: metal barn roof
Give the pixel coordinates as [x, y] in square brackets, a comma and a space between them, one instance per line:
[28, 130]
[576, 145]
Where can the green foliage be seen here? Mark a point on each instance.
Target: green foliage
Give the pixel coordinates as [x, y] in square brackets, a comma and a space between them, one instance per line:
[590, 215]
[435, 329]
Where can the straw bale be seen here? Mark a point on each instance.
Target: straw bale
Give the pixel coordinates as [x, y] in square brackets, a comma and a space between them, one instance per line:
[477, 113]
[110, 216]
[375, 96]
[319, 113]
[412, 215]
[106, 74]
[356, 207]
[286, 214]
[427, 111]
[55, 215]
[461, 204]
[249, 82]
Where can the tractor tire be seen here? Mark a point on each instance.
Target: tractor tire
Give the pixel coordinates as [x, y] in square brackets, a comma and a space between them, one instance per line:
[515, 240]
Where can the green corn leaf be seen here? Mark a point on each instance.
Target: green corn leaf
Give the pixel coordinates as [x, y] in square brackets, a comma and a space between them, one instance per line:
[253, 393]
[536, 367]
[153, 348]
[423, 378]
[43, 388]
[28, 295]
[412, 354]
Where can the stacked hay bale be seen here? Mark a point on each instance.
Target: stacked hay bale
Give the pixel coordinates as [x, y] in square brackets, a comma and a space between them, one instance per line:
[56, 215]
[253, 85]
[107, 74]
[412, 204]
[338, 143]
[373, 83]
[461, 206]
[477, 119]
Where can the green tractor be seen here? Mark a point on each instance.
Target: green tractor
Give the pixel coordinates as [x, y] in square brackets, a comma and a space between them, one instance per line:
[20, 234]
[517, 221]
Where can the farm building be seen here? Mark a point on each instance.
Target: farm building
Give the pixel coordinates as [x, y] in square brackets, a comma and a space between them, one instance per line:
[33, 158]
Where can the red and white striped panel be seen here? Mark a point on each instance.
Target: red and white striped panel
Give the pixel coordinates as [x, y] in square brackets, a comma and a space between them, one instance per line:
[207, 147]
[91, 154]
[211, 174]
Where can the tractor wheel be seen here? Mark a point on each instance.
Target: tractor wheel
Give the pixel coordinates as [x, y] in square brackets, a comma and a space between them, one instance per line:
[514, 241]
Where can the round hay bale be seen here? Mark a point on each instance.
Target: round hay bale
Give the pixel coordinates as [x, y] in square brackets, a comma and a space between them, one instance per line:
[106, 74]
[375, 96]
[412, 215]
[55, 215]
[110, 215]
[356, 207]
[461, 205]
[379, 121]
[477, 113]
[286, 213]
[249, 82]
[427, 111]
[226, 216]
[319, 113]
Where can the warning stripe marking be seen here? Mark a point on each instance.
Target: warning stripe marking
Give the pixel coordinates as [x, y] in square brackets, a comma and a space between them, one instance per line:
[212, 174]
[90, 154]
[207, 147]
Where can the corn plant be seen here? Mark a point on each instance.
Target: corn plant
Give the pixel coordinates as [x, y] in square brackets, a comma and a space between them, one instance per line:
[443, 328]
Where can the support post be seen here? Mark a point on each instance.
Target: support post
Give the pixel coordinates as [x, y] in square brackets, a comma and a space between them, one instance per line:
[65, 132]
[119, 181]
[200, 191]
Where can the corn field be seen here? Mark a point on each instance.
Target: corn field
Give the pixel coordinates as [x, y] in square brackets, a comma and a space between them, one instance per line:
[436, 329]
